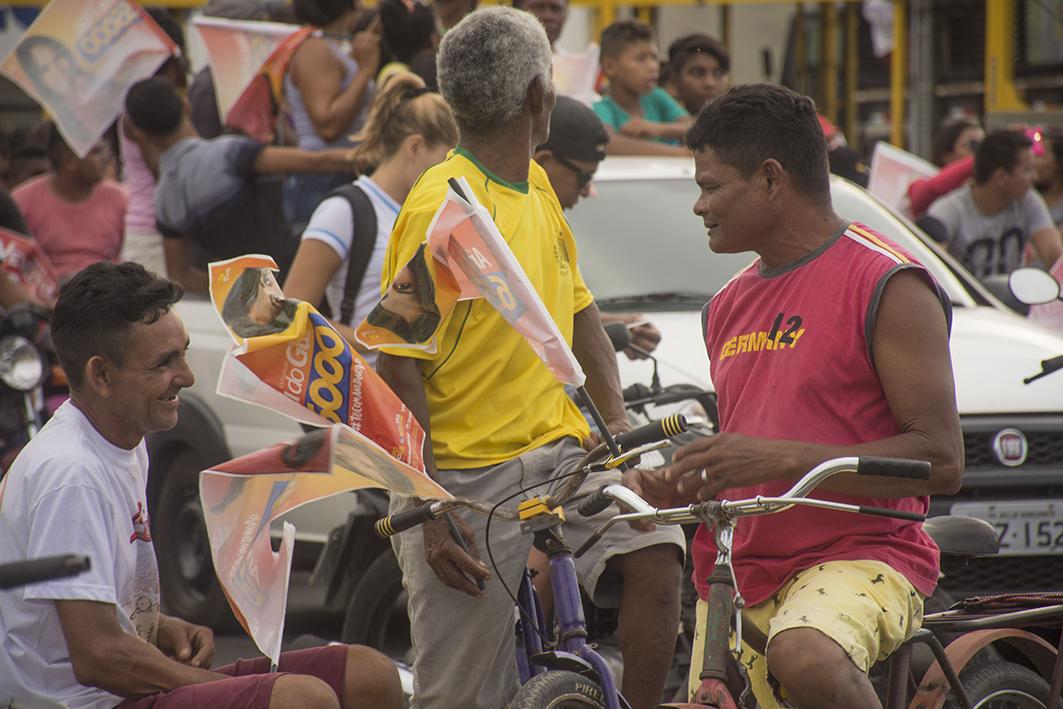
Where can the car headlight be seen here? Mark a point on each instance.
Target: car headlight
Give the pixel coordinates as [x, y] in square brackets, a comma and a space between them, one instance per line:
[21, 367]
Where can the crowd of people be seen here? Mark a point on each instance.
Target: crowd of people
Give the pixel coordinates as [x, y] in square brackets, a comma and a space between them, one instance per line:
[379, 110]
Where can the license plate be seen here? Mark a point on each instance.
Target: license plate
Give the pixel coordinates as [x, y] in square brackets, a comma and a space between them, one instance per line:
[1024, 527]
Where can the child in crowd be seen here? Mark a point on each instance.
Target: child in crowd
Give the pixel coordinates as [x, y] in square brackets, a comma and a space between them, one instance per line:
[698, 69]
[642, 118]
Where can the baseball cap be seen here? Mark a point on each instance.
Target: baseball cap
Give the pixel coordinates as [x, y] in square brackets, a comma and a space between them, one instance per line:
[576, 132]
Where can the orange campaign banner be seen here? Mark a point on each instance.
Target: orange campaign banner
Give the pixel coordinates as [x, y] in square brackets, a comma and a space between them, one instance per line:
[243, 497]
[290, 359]
[469, 259]
[248, 60]
[22, 259]
[78, 59]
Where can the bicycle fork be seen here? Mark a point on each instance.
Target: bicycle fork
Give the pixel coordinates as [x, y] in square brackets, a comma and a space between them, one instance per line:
[572, 652]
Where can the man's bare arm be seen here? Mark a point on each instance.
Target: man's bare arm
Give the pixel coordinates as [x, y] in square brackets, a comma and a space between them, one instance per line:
[595, 354]
[1048, 245]
[107, 657]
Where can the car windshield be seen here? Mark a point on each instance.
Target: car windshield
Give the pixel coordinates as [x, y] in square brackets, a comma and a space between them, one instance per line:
[641, 244]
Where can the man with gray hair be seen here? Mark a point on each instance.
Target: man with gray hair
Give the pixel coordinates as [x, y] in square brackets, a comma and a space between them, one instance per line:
[498, 421]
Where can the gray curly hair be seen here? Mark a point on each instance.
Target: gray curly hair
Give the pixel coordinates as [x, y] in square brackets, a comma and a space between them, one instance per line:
[487, 62]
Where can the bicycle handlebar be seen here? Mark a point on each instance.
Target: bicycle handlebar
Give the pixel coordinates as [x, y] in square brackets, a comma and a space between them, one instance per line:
[668, 427]
[21, 573]
[867, 465]
[631, 442]
[893, 467]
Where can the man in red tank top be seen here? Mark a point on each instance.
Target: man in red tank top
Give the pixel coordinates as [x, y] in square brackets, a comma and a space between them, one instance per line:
[834, 342]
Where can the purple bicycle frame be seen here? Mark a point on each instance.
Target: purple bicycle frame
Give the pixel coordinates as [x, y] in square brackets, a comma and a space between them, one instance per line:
[570, 621]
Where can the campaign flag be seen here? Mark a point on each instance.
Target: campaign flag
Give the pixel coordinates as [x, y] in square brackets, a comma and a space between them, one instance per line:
[576, 74]
[470, 259]
[289, 358]
[79, 58]
[22, 259]
[248, 60]
[892, 171]
[242, 498]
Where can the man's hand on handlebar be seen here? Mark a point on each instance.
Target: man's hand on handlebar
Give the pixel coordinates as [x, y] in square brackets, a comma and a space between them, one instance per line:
[706, 466]
[615, 427]
[654, 488]
[453, 566]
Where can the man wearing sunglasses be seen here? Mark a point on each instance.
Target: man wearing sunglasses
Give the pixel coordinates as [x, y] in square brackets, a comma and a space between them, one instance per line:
[570, 157]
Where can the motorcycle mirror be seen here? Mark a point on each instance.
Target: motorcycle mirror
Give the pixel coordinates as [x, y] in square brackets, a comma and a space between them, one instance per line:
[618, 334]
[1033, 286]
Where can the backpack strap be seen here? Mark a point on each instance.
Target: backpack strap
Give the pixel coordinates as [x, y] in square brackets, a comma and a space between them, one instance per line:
[363, 218]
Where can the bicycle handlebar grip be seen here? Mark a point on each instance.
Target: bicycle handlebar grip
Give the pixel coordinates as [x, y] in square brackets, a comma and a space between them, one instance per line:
[21, 573]
[893, 467]
[668, 427]
[393, 524]
[896, 514]
[594, 504]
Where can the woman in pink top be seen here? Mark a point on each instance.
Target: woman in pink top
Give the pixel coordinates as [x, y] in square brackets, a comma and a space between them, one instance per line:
[75, 214]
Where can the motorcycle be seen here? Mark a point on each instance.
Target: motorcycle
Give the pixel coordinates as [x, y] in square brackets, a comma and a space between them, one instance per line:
[30, 382]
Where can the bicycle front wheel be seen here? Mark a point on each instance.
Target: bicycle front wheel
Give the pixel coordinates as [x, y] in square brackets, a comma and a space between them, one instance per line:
[559, 690]
[1003, 685]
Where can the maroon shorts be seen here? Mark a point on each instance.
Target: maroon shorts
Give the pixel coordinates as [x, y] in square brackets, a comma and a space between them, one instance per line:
[250, 682]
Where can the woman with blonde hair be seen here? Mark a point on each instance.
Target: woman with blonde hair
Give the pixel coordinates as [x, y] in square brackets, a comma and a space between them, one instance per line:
[408, 130]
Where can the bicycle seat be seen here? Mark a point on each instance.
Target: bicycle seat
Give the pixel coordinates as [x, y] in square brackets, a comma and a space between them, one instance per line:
[963, 536]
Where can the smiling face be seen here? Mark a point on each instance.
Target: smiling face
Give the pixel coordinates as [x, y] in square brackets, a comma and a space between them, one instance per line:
[731, 206]
[143, 392]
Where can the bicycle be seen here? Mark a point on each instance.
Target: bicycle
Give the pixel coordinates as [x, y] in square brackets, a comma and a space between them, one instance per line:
[724, 684]
[560, 669]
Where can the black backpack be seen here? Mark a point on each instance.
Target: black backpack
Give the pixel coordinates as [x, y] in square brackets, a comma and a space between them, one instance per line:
[363, 218]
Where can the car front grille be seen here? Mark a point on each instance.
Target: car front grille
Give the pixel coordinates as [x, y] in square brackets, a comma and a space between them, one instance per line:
[1046, 449]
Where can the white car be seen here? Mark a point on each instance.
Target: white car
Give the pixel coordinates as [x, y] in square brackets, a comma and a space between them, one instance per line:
[642, 249]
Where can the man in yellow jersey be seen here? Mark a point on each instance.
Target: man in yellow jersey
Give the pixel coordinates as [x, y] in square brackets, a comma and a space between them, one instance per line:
[497, 418]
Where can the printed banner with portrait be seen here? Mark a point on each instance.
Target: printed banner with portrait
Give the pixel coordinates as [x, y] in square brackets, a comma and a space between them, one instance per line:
[243, 497]
[469, 259]
[78, 59]
[22, 259]
[290, 359]
[248, 60]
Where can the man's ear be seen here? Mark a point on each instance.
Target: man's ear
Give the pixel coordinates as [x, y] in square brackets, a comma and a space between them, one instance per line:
[773, 175]
[97, 375]
[541, 156]
[536, 97]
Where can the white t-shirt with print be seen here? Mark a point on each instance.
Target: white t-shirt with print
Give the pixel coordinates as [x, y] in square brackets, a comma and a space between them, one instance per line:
[333, 223]
[72, 492]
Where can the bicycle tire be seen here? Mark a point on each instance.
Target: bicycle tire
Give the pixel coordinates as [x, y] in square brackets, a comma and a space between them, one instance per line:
[559, 690]
[1003, 685]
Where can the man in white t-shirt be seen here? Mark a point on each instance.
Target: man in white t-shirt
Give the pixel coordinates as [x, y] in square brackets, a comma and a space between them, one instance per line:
[98, 640]
[994, 224]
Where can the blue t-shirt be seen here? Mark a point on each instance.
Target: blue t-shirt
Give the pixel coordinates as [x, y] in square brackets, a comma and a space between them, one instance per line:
[658, 106]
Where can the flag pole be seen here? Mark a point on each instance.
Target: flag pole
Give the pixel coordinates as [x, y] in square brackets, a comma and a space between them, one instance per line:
[597, 416]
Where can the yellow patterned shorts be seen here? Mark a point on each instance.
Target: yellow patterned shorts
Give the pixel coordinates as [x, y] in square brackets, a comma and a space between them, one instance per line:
[866, 607]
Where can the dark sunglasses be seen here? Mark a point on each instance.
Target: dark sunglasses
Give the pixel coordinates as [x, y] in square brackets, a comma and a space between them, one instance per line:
[582, 178]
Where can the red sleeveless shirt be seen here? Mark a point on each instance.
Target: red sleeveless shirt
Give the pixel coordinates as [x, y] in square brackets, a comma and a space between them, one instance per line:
[790, 353]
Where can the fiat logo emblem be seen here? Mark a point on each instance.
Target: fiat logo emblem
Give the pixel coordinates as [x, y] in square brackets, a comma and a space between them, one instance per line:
[1011, 447]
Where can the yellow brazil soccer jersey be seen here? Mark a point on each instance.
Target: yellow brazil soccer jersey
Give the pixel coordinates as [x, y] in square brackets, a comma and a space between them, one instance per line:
[490, 398]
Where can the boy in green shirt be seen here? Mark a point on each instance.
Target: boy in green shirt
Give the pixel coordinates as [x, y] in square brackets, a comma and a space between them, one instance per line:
[641, 117]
